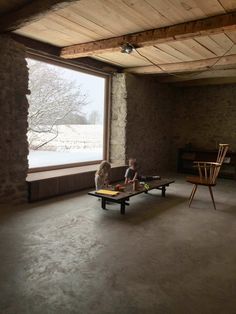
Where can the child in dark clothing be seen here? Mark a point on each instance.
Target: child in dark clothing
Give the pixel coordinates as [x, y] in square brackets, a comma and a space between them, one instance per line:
[131, 173]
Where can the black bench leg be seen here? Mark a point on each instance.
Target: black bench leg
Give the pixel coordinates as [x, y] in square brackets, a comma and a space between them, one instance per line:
[163, 191]
[103, 203]
[122, 208]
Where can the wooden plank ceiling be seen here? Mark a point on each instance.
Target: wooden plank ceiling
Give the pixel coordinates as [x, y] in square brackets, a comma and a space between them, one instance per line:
[87, 21]
[7, 6]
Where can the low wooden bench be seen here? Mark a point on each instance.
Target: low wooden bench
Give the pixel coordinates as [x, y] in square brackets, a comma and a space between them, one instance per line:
[123, 197]
[45, 184]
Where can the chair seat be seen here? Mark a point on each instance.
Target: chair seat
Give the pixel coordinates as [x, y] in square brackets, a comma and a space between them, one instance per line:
[200, 181]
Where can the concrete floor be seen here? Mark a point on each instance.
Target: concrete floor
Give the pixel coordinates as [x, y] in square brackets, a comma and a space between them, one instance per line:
[67, 255]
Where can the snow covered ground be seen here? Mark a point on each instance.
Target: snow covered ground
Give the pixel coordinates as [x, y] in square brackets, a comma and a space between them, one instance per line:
[50, 158]
[74, 143]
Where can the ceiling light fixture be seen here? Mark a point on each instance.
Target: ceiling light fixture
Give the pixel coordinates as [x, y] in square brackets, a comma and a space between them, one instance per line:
[127, 48]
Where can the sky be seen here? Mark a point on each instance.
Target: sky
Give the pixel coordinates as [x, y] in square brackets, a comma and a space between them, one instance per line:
[93, 86]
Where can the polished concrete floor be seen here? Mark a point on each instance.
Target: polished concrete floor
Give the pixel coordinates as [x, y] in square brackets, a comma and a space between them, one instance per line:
[67, 255]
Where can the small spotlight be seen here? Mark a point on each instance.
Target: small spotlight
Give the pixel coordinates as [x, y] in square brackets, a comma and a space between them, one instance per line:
[127, 48]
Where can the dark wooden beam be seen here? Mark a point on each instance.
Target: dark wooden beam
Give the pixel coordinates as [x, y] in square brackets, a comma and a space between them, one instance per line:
[207, 81]
[189, 66]
[31, 12]
[37, 46]
[40, 49]
[212, 25]
[98, 65]
[185, 77]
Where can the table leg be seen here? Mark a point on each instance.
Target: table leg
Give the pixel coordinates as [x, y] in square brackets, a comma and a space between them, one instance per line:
[122, 208]
[163, 191]
[103, 203]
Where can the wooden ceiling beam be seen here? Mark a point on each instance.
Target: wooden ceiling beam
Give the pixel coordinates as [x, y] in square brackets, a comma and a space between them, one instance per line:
[38, 49]
[30, 12]
[212, 25]
[189, 66]
[220, 73]
[35, 45]
[207, 81]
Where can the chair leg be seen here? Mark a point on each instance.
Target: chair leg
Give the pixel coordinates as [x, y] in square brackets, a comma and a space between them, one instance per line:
[212, 197]
[192, 194]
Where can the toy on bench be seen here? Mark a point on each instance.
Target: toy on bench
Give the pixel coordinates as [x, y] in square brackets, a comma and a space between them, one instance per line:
[121, 193]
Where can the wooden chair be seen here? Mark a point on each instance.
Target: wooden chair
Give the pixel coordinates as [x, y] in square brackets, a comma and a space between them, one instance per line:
[208, 173]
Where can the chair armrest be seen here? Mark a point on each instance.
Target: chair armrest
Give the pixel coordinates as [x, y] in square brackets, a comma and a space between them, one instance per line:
[207, 169]
[208, 163]
[201, 166]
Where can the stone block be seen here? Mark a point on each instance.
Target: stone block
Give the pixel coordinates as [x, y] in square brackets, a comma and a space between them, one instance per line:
[13, 121]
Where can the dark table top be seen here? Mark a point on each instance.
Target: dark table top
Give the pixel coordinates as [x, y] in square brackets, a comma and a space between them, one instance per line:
[128, 192]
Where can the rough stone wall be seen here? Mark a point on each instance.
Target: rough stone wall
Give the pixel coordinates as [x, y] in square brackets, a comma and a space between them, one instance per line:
[204, 116]
[148, 123]
[118, 119]
[151, 121]
[140, 122]
[13, 121]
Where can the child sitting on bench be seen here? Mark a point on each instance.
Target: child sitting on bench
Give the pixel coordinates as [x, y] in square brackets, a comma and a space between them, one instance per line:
[131, 173]
[102, 174]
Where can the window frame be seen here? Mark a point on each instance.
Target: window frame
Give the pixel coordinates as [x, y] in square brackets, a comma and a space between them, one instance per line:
[68, 64]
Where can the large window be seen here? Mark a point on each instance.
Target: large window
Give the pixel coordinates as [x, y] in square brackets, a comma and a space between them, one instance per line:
[66, 115]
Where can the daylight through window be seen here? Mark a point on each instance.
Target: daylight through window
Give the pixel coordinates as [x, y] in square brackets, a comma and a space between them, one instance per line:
[66, 115]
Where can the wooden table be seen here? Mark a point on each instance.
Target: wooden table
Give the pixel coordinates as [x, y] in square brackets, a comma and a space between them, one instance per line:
[123, 197]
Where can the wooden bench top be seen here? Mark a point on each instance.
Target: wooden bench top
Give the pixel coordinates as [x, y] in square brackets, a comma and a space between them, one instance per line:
[129, 190]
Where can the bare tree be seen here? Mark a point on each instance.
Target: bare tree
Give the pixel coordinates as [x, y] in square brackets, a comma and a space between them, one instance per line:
[54, 96]
[94, 117]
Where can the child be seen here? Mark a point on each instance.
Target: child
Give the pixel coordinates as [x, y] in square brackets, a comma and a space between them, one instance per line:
[101, 175]
[131, 173]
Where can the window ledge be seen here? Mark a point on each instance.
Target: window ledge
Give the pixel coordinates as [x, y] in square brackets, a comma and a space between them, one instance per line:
[48, 174]
[45, 184]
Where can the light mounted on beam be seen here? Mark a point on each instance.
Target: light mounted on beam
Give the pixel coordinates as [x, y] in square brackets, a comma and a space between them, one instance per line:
[127, 48]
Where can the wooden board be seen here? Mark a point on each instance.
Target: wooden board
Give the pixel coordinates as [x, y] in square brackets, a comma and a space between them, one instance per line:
[129, 192]
[228, 5]
[185, 32]
[200, 48]
[7, 6]
[88, 21]
[122, 59]
[198, 65]
[109, 18]
[226, 73]
[30, 12]
[123, 197]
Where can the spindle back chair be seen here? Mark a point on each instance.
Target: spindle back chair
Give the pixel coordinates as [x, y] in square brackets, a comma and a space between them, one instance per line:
[208, 173]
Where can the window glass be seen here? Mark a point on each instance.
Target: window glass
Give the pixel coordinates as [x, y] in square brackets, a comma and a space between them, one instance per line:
[66, 115]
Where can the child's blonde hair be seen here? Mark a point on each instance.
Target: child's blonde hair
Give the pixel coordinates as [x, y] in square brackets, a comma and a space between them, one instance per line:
[103, 168]
[133, 162]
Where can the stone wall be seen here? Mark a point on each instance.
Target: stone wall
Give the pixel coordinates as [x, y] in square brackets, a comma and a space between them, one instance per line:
[141, 124]
[150, 121]
[204, 116]
[13, 121]
[148, 130]
[118, 119]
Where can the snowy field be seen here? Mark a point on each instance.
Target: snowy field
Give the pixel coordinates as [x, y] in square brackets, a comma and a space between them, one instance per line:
[74, 143]
[47, 158]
